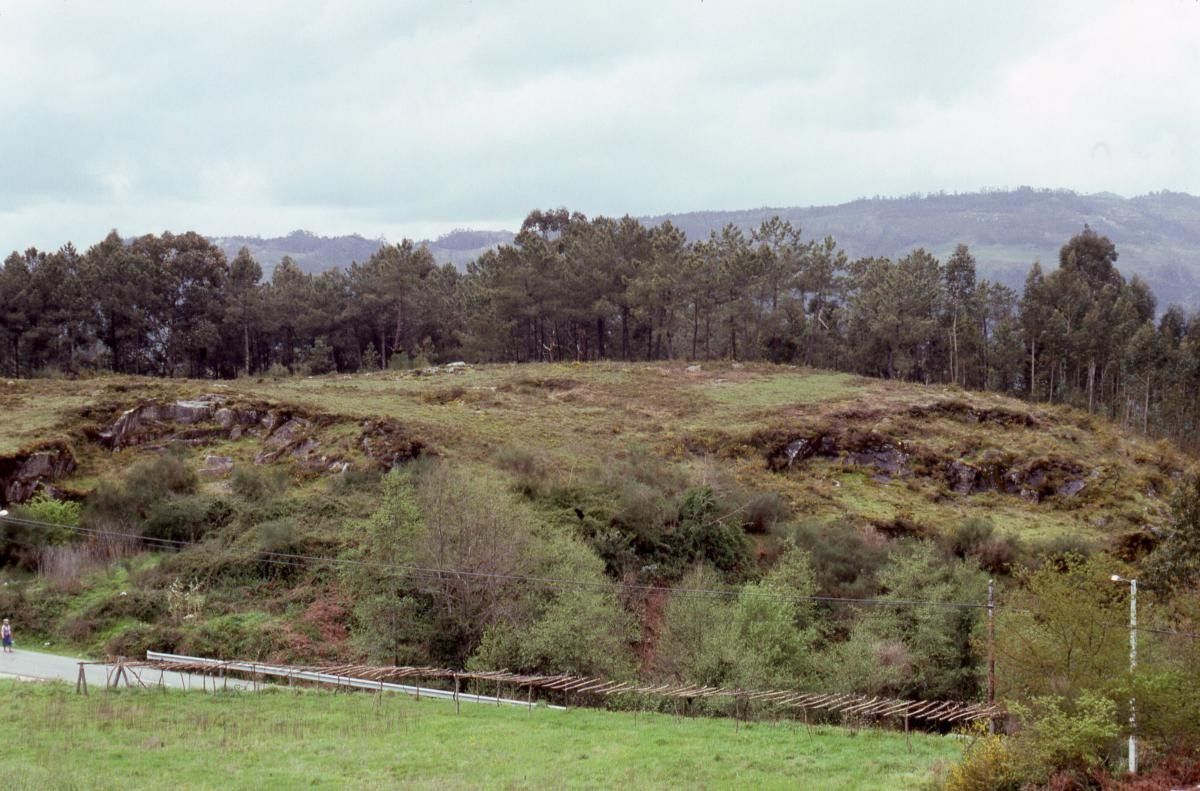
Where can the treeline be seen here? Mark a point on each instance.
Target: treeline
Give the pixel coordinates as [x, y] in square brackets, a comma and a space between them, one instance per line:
[573, 288]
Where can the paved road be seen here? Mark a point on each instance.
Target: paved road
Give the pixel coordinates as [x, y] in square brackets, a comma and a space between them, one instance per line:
[40, 666]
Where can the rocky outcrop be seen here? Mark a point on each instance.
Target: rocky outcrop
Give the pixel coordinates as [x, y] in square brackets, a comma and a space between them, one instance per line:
[887, 458]
[284, 433]
[149, 422]
[389, 445]
[216, 467]
[23, 474]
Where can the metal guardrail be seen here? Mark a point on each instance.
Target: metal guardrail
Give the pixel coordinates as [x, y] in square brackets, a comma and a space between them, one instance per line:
[317, 677]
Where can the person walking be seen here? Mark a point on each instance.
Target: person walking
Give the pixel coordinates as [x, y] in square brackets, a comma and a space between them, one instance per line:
[6, 636]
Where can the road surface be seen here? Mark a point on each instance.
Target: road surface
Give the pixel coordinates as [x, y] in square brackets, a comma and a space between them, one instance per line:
[40, 666]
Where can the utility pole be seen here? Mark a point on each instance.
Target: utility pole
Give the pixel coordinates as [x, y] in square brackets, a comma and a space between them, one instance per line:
[1132, 668]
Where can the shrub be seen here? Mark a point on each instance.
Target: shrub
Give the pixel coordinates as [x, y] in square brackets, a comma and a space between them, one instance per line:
[764, 510]
[370, 358]
[847, 557]
[528, 470]
[168, 473]
[977, 539]
[44, 508]
[642, 509]
[987, 765]
[706, 535]
[187, 518]
[1058, 550]
[21, 545]
[253, 484]
[136, 640]
[319, 359]
[1059, 737]
[278, 535]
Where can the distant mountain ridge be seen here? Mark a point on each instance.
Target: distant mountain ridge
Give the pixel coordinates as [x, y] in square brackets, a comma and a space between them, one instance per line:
[1157, 235]
[313, 253]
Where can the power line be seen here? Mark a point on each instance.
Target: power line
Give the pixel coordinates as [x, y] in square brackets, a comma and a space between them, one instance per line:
[299, 560]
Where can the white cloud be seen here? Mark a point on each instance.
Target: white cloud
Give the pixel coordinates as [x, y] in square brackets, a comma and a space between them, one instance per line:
[416, 117]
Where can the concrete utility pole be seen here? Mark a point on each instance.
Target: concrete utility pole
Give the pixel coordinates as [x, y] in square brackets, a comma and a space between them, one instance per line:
[1132, 667]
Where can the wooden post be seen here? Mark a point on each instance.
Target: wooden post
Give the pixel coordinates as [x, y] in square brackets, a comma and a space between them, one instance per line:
[907, 734]
[497, 693]
[81, 682]
[531, 698]
[456, 704]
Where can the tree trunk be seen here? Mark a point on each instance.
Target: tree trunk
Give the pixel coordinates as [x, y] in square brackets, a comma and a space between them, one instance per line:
[1032, 371]
[1091, 384]
[954, 348]
[695, 328]
[246, 346]
[1146, 408]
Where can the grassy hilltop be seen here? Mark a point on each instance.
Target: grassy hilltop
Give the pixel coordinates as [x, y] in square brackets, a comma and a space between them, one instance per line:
[574, 420]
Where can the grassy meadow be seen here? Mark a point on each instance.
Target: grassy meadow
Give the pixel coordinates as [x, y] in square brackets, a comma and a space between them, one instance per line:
[56, 739]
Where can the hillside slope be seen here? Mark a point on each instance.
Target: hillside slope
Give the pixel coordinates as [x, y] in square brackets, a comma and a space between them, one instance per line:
[901, 457]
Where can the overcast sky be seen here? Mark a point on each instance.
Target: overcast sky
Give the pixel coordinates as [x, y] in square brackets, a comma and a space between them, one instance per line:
[411, 118]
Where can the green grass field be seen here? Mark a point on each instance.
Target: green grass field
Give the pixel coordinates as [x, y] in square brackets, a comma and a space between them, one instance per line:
[56, 739]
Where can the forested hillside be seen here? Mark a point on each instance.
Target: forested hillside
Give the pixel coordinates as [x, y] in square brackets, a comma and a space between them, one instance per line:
[573, 288]
[1158, 234]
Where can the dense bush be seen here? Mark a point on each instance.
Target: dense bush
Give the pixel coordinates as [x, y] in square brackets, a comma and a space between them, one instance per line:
[254, 484]
[187, 519]
[20, 545]
[529, 471]
[978, 539]
[121, 507]
[763, 511]
[846, 557]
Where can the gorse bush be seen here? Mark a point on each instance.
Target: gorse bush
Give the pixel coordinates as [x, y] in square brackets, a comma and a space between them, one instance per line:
[255, 484]
[979, 540]
[122, 507]
[187, 519]
[763, 511]
[529, 470]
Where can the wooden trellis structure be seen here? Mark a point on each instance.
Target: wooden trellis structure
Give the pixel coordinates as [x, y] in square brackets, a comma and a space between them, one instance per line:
[568, 686]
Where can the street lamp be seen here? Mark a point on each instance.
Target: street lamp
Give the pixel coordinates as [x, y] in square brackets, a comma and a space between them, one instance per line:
[1132, 665]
